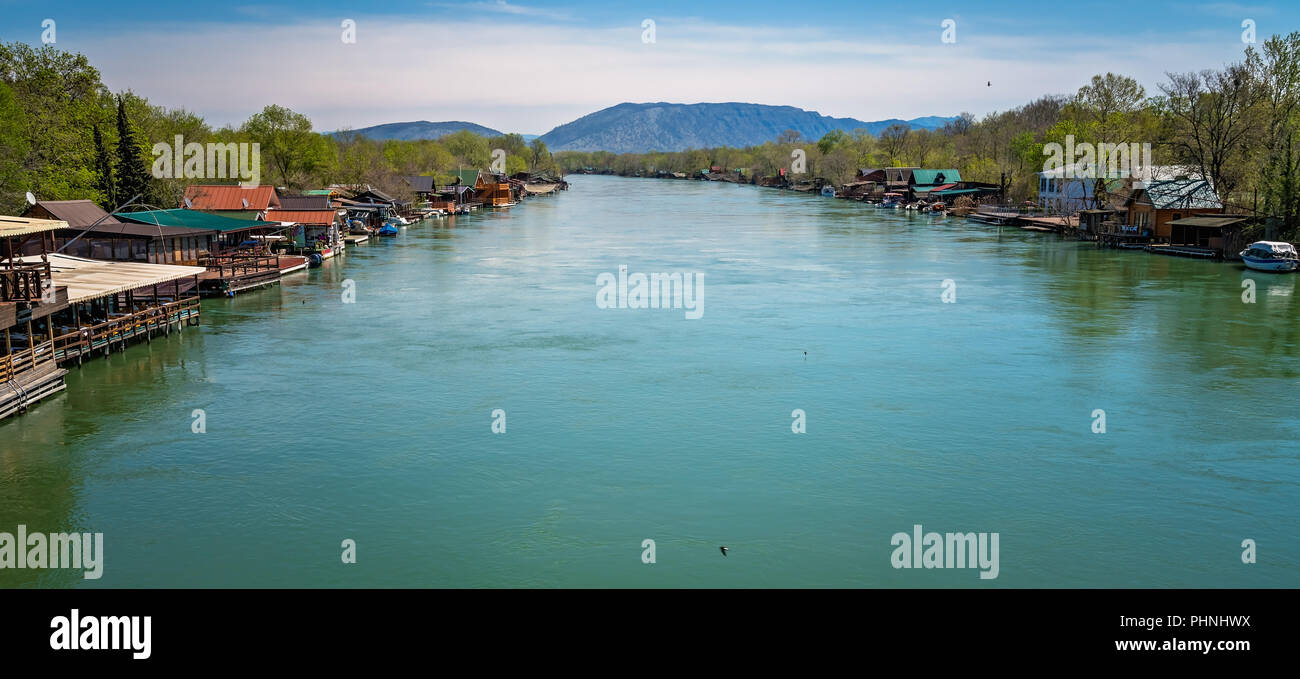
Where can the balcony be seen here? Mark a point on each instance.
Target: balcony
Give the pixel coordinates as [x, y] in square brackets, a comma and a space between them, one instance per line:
[22, 283]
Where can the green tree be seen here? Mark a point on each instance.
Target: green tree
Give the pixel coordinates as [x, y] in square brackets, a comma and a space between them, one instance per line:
[104, 173]
[13, 141]
[132, 172]
[291, 152]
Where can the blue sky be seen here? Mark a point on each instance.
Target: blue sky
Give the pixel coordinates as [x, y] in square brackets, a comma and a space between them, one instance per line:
[449, 61]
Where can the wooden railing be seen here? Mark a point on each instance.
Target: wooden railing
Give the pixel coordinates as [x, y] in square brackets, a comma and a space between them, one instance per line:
[235, 265]
[19, 362]
[23, 282]
[122, 328]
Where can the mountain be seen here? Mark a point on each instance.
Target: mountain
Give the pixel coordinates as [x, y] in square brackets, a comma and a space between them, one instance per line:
[422, 129]
[635, 128]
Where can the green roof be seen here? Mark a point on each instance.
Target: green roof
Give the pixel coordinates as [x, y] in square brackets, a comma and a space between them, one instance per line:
[935, 176]
[191, 219]
[467, 177]
[317, 192]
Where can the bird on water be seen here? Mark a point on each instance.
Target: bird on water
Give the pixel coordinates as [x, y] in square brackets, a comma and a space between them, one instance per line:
[723, 549]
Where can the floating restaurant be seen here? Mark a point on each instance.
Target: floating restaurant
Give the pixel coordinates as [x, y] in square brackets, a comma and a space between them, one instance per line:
[57, 308]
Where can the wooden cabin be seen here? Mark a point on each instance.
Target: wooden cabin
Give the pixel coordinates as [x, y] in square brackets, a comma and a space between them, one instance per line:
[95, 234]
[238, 258]
[1153, 206]
[312, 230]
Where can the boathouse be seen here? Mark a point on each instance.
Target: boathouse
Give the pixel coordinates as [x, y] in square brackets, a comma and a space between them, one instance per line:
[239, 258]
[1153, 206]
[95, 234]
[314, 230]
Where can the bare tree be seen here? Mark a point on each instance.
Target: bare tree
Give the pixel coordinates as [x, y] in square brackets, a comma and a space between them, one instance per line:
[893, 138]
[1213, 121]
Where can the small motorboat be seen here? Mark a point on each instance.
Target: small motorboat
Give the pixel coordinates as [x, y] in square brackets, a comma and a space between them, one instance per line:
[828, 191]
[388, 230]
[1268, 255]
[892, 200]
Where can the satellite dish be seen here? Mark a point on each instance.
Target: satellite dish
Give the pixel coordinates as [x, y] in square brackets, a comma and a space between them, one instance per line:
[31, 200]
[245, 202]
[188, 204]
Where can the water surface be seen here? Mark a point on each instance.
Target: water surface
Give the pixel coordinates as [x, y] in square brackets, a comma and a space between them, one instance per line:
[372, 421]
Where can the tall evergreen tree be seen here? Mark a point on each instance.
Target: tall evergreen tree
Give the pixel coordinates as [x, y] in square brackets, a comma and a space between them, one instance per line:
[104, 173]
[132, 176]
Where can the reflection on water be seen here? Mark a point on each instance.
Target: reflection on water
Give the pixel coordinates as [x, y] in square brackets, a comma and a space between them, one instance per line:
[371, 421]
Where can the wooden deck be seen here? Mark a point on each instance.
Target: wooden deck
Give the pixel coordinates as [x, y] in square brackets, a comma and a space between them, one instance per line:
[23, 389]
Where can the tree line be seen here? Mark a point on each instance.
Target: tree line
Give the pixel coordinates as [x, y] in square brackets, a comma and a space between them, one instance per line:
[64, 136]
[1236, 126]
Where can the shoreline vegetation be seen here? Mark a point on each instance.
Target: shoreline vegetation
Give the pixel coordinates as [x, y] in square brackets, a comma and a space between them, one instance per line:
[65, 136]
[1237, 127]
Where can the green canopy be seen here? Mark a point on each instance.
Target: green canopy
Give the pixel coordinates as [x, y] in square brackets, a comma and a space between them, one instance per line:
[192, 219]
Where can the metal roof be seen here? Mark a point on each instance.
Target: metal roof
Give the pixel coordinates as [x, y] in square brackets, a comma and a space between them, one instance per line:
[94, 278]
[192, 219]
[305, 202]
[316, 217]
[81, 213]
[421, 183]
[135, 230]
[1186, 194]
[935, 176]
[22, 226]
[1208, 222]
[231, 197]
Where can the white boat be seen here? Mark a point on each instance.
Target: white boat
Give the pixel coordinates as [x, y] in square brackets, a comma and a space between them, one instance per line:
[1268, 255]
[828, 191]
[892, 200]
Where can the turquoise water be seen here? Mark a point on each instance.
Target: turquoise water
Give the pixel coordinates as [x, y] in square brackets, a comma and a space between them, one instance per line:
[372, 421]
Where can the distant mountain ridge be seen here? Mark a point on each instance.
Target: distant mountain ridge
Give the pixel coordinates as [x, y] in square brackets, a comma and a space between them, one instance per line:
[420, 129]
[638, 128]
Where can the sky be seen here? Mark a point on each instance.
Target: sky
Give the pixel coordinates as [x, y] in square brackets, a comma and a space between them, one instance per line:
[530, 66]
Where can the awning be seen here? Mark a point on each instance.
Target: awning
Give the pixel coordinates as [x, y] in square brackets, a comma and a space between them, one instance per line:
[1208, 222]
[94, 278]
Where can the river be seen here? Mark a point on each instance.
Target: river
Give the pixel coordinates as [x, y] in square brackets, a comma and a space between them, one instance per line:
[372, 421]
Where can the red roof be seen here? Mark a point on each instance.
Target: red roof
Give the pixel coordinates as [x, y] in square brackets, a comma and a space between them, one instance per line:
[943, 187]
[321, 217]
[229, 197]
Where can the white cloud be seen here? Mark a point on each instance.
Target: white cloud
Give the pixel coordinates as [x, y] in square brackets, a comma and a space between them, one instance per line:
[438, 70]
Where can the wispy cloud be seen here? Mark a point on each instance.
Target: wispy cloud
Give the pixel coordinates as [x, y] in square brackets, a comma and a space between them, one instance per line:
[434, 69]
[1235, 10]
[504, 7]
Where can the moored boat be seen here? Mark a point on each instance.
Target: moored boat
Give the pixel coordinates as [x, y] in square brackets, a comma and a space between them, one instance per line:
[388, 230]
[1267, 255]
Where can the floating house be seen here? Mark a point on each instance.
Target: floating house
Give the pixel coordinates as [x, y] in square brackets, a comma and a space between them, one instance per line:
[1071, 188]
[1154, 206]
[58, 308]
[312, 230]
[95, 234]
[423, 187]
[239, 256]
